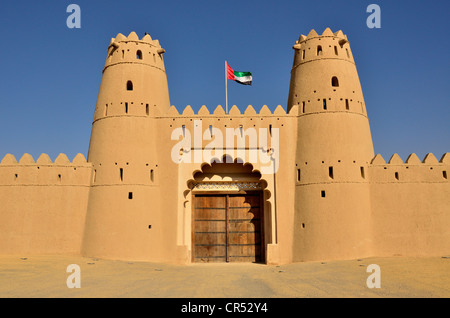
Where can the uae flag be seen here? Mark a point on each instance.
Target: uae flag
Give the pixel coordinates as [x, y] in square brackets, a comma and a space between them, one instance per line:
[244, 78]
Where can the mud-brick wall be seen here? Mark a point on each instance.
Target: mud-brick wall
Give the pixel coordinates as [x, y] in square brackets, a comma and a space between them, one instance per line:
[43, 204]
[410, 206]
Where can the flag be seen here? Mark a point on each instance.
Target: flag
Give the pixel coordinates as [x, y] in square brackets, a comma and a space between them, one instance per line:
[244, 78]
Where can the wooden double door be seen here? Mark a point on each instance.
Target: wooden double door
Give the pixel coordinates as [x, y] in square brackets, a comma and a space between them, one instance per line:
[227, 227]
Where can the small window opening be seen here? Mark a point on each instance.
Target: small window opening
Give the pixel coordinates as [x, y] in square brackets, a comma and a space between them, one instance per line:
[303, 107]
[303, 54]
[303, 225]
[123, 53]
[335, 50]
[348, 54]
[347, 106]
[121, 174]
[106, 110]
[151, 175]
[330, 172]
[334, 81]
[139, 55]
[94, 175]
[126, 108]
[59, 177]
[149, 226]
[147, 109]
[16, 176]
[396, 176]
[129, 86]
[444, 174]
[319, 50]
[130, 195]
[322, 193]
[362, 173]
[298, 175]
[324, 104]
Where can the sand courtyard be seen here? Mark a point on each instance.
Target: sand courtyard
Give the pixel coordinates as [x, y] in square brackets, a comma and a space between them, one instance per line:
[27, 276]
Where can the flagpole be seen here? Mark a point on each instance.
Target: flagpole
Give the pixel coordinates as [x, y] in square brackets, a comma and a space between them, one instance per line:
[226, 90]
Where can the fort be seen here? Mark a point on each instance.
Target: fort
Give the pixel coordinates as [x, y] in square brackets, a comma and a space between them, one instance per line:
[329, 198]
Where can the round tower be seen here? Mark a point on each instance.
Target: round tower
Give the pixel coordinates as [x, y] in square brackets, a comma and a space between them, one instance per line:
[124, 196]
[334, 147]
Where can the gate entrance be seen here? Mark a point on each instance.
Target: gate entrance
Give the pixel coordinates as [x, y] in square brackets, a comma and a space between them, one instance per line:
[227, 227]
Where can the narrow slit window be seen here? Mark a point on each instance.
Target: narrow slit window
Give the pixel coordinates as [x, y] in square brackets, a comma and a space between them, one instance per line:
[334, 81]
[129, 86]
[348, 54]
[146, 109]
[363, 175]
[319, 50]
[123, 53]
[94, 175]
[298, 175]
[444, 174]
[121, 174]
[106, 110]
[347, 106]
[396, 176]
[324, 102]
[303, 107]
[152, 175]
[330, 172]
[59, 177]
[303, 54]
[126, 108]
[16, 176]
[139, 55]
[335, 50]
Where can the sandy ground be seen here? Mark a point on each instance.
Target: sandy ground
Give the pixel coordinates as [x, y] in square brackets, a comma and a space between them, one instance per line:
[46, 276]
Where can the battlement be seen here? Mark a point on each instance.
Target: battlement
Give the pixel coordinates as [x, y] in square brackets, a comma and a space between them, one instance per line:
[325, 46]
[411, 170]
[326, 33]
[219, 111]
[43, 171]
[131, 49]
[133, 37]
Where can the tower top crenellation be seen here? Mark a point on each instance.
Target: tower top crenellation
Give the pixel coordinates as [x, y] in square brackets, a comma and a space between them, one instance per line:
[326, 33]
[133, 37]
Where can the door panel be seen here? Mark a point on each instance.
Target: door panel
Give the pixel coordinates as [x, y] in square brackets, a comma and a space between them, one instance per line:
[227, 227]
[244, 228]
[209, 228]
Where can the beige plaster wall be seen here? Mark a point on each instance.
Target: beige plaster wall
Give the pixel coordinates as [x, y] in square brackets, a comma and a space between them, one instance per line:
[43, 204]
[410, 205]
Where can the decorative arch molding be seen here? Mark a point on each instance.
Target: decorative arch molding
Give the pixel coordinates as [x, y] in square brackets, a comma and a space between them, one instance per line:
[215, 175]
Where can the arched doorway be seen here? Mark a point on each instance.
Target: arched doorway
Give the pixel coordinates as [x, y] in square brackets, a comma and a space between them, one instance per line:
[227, 214]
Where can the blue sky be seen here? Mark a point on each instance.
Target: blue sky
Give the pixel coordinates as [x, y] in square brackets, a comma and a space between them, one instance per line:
[50, 74]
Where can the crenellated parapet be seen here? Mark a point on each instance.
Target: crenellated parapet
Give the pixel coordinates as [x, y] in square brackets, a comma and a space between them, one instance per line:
[44, 172]
[412, 170]
[130, 49]
[219, 119]
[219, 111]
